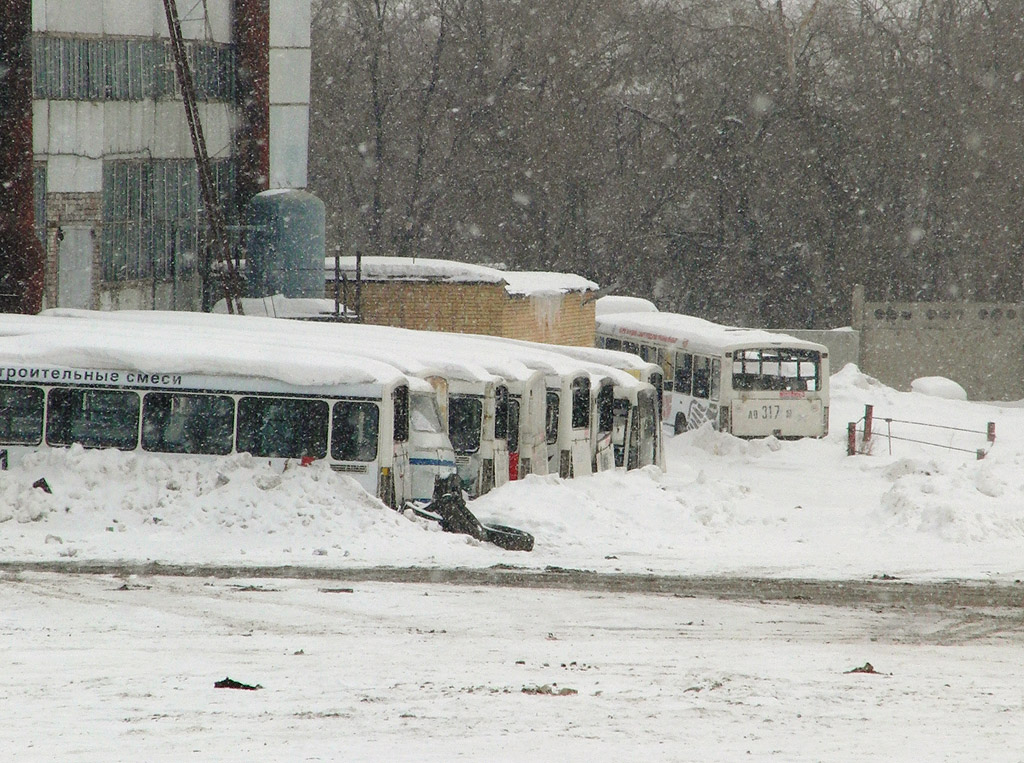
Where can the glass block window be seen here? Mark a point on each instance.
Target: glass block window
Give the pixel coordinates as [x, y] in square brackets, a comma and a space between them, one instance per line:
[153, 218]
[127, 69]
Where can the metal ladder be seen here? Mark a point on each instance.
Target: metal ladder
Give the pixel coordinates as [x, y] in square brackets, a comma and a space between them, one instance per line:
[230, 281]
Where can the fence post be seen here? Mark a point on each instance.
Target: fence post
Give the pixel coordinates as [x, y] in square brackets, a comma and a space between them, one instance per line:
[991, 431]
[851, 438]
[869, 411]
[981, 453]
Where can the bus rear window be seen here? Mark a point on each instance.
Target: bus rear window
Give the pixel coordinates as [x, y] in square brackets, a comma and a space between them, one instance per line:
[464, 417]
[187, 423]
[21, 415]
[272, 427]
[93, 418]
[354, 431]
[776, 369]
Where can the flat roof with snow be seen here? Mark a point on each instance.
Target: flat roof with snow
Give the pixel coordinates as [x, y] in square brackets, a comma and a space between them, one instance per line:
[516, 282]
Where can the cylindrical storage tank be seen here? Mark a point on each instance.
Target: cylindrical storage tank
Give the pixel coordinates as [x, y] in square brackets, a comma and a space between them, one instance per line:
[285, 244]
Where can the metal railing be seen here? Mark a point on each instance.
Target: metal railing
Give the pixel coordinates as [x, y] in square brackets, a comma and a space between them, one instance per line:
[867, 432]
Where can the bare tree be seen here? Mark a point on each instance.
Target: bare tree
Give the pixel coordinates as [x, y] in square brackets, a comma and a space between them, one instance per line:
[737, 159]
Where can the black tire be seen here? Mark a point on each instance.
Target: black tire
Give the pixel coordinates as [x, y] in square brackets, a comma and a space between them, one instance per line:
[680, 425]
[509, 538]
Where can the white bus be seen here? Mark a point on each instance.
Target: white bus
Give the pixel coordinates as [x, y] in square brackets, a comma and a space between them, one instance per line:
[639, 423]
[584, 437]
[172, 390]
[749, 382]
[473, 377]
[431, 456]
[578, 411]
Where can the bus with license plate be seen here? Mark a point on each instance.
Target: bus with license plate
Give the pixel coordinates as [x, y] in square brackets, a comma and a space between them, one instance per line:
[749, 382]
[173, 390]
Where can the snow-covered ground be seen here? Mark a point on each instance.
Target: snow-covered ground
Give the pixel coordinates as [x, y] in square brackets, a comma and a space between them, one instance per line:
[102, 668]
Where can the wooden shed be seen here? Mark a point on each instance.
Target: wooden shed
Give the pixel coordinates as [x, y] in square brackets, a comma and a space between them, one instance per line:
[440, 295]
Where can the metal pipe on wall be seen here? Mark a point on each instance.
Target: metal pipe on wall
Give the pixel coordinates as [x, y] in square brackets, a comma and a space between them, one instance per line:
[252, 45]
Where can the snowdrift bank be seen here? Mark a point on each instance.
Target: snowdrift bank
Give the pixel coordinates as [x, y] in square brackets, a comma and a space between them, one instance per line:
[724, 506]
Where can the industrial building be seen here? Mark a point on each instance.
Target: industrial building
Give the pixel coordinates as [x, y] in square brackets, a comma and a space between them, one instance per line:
[98, 158]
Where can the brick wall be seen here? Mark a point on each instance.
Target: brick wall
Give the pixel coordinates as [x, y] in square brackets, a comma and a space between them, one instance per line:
[476, 308]
[77, 209]
[456, 307]
[555, 319]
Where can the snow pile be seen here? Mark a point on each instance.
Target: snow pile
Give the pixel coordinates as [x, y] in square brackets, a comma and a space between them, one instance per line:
[938, 386]
[613, 303]
[921, 506]
[136, 506]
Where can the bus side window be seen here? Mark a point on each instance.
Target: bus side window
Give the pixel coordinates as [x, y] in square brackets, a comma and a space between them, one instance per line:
[632, 347]
[513, 425]
[580, 403]
[187, 423]
[652, 354]
[401, 400]
[501, 412]
[354, 431]
[93, 418]
[21, 415]
[551, 417]
[605, 409]
[716, 378]
[701, 377]
[684, 372]
[271, 427]
[612, 344]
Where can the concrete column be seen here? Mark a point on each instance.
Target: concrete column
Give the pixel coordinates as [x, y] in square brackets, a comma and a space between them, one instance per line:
[21, 254]
[252, 41]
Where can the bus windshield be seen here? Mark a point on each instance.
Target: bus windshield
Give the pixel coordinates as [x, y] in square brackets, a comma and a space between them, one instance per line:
[776, 369]
[424, 415]
[465, 415]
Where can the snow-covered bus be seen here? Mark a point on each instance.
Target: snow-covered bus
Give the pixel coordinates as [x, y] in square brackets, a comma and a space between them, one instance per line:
[469, 395]
[637, 431]
[169, 389]
[548, 430]
[750, 382]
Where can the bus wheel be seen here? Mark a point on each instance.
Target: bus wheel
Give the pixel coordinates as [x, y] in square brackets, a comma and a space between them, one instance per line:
[680, 425]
